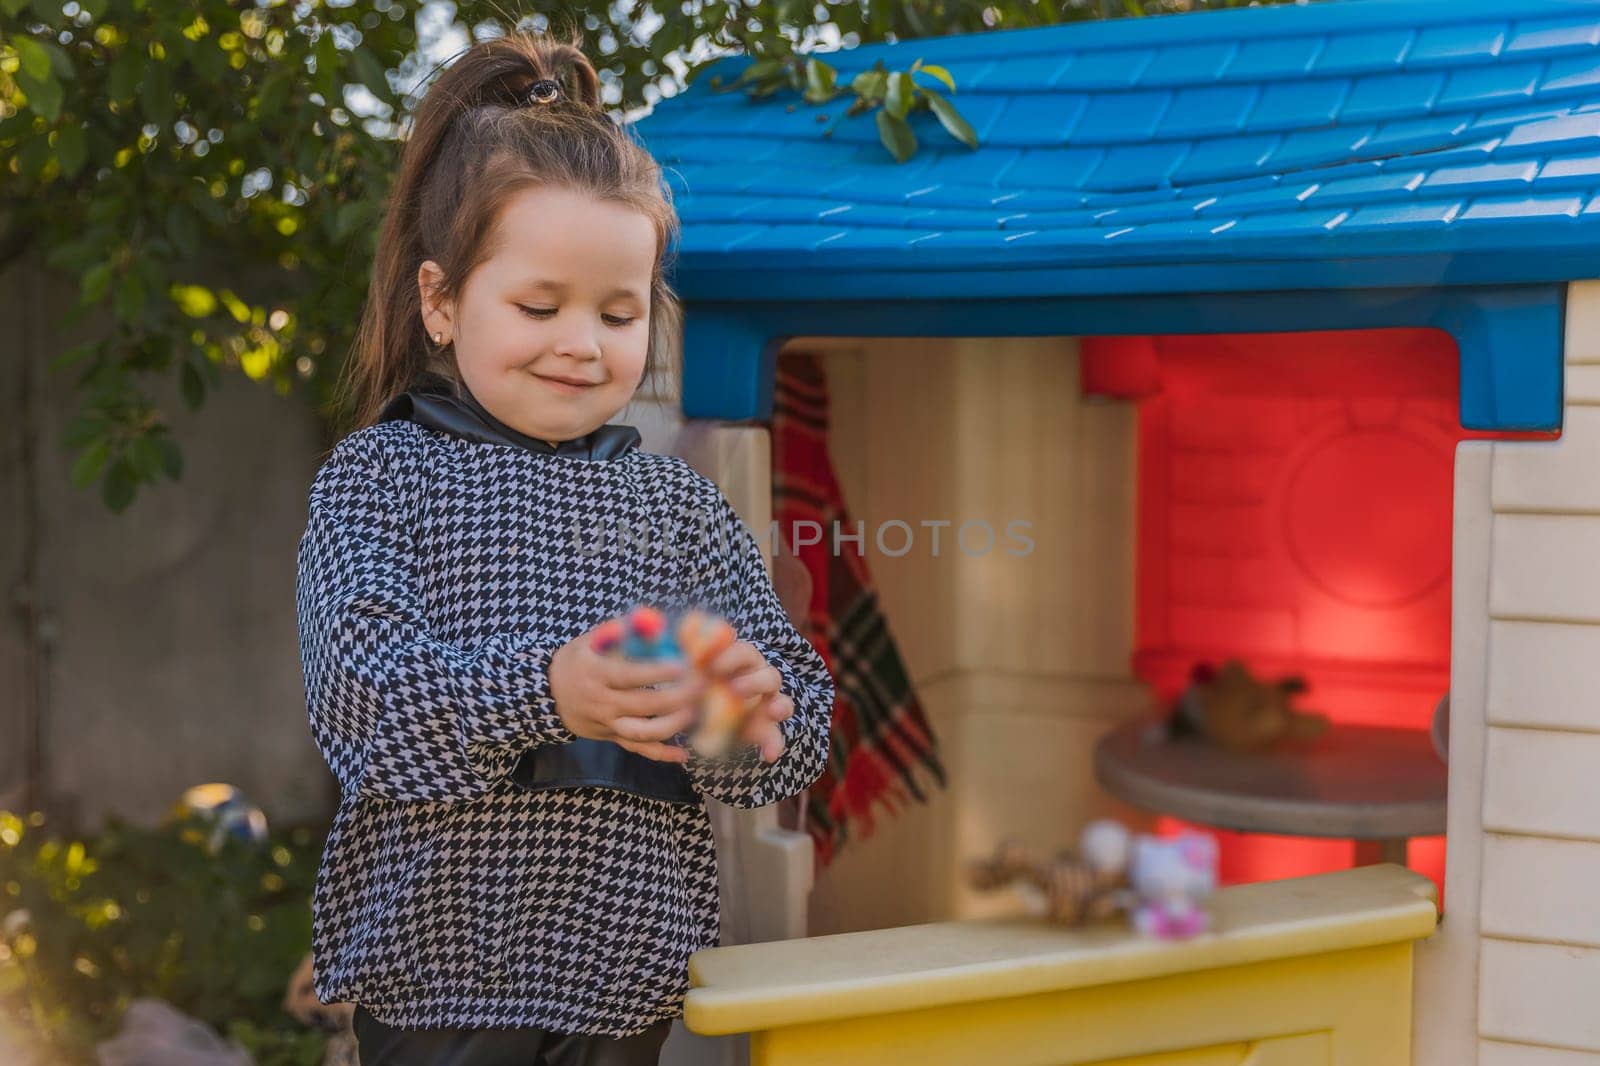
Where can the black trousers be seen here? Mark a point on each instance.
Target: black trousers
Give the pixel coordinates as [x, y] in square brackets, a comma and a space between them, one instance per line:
[382, 1045]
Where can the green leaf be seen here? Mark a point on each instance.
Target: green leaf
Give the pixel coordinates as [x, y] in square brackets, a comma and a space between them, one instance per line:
[155, 93]
[171, 456]
[193, 386]
[95, 283]
[73, 354]
[33, 155]
[118, 487]
[274, 92]
[44, 95]
[82, 432]
[129, 300]
[758, 71]
[96, 9]
[326, 52]
[821, 81]
[123, 81]
[71, 148]
[372, 74]
[183, 228]
[33, 57]
[236, 307]
[144, 458]
[902, 93]
[345, 219]
[896, 135]
[13, 7]
[89, 463]
[940, 73]
[210, 61]
[60, 62]
[869, 83]
[959, 127]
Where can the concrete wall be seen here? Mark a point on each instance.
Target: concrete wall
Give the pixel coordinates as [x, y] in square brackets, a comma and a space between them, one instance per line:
[168, 653]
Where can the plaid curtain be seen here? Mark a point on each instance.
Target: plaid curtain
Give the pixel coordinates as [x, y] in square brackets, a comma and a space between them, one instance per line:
[881, 741]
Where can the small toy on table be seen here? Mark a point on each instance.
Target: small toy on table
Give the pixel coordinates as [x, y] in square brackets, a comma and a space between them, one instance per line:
[646, 634]
[1235, 710]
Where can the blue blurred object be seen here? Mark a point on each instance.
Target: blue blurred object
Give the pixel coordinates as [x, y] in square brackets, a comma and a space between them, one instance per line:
[224, 808]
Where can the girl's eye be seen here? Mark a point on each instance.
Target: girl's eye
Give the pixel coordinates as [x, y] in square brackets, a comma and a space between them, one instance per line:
[546, 312]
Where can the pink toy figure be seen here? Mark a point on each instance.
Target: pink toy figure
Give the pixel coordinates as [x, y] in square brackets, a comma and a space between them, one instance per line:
[645, 633]
[1173, 879]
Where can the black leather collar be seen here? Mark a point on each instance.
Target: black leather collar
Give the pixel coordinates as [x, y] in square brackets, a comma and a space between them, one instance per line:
[434, 405]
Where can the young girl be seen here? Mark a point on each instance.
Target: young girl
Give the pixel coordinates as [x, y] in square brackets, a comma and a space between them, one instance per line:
[522, 861]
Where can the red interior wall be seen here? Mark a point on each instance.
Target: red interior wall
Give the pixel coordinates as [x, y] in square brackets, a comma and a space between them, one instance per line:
[1294, 510]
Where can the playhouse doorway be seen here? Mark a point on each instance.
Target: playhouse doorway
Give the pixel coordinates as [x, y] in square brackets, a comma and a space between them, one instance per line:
[1282, 498]
[1294, 511]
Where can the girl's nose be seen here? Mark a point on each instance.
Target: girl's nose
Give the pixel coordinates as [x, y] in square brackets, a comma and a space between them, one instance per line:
[581, 346]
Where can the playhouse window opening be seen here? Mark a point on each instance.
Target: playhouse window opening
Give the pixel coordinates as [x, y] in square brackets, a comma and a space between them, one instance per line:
[1294, 512]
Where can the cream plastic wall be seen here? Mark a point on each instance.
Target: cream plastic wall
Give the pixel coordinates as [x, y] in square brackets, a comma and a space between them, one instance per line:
[1020, 661]
[1508, 980]
[1539, 952]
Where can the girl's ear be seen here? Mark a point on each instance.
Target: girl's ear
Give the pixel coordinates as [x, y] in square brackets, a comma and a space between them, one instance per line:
[436, 314]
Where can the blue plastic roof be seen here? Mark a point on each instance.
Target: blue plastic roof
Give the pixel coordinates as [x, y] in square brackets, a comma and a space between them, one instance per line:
[1340, 144]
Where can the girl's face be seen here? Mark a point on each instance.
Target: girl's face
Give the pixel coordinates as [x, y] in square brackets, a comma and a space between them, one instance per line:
[550, 331]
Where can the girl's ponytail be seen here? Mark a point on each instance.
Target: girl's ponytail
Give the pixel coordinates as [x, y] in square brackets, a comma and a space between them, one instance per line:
[485, 129]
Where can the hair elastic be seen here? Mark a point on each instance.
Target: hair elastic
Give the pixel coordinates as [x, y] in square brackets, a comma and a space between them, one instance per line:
[543, 91]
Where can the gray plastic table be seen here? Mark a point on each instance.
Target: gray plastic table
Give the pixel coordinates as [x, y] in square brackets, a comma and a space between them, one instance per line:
[1376, 786]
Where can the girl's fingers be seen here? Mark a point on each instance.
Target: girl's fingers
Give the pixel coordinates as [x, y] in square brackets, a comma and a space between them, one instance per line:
[654, 750]
[649, 702]
[737, 658]
[628, 674]
[771, 742]
[652, 729]
[761, 681]
[779, 707]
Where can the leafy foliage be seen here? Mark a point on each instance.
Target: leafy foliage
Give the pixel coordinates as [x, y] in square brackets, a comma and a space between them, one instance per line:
[894, 93]
[210, 174]
[87, 925]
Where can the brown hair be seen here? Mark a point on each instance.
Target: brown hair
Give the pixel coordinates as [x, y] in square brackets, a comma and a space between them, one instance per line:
[477, 139]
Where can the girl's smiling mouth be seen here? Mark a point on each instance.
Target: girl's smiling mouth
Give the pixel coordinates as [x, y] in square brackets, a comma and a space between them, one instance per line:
[567, 384]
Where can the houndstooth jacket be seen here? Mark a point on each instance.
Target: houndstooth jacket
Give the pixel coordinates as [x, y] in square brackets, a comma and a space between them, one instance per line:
[436, 577]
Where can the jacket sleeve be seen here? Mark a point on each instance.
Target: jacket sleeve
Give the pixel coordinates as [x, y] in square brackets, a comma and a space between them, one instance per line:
[741, 591]
[397, 713]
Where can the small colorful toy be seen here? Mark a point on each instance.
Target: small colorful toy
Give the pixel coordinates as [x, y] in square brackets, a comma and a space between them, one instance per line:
[646, 634]
[1161, 884]
[1172, 879]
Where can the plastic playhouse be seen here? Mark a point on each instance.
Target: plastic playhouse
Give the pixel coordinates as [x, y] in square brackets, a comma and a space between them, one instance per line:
[1315, 293]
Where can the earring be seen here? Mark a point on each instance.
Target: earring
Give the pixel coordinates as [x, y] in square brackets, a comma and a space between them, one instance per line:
[438, 337]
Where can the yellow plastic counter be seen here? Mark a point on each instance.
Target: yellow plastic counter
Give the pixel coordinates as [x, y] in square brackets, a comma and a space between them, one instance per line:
[1303, 972]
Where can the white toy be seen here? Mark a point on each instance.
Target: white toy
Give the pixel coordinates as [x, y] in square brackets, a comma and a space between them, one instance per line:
[1173, 879]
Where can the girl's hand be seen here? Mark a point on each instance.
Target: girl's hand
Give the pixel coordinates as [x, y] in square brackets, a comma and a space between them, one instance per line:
[601, 697]
[749, 674]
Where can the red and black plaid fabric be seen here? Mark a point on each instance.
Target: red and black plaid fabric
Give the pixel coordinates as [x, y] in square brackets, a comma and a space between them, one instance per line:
[881, 740]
